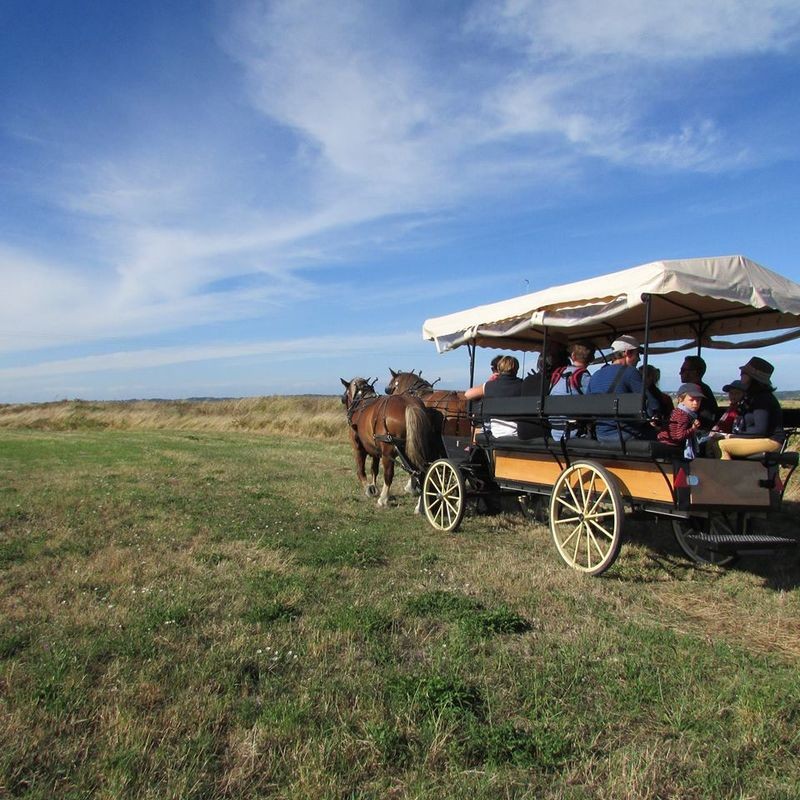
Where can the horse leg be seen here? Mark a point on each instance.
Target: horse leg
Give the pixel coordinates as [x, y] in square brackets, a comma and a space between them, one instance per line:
[372, 486]
[361, 469]
[388, 476]
[412, 486]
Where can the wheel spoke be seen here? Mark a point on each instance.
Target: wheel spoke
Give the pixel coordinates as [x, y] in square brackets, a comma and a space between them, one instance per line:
[599, 515]
[591, 538]
[598, 501]
[572, 508]
[566, 541]
[566, 520]
[601, 529]
[572, 494]
[577, 543]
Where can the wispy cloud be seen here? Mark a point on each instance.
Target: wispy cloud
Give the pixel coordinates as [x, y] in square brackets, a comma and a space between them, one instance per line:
[270, 351]
[344, 126]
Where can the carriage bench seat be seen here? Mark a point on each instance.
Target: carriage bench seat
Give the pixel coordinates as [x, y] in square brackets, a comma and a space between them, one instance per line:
[585, 406]
[788, 458]
[587, 448]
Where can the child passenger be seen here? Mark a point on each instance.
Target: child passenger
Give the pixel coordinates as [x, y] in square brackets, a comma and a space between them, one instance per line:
[683, 421]
[728, 422]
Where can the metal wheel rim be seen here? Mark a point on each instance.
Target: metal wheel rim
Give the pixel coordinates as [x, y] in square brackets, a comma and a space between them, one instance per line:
[697, 551]
[586, 516]
[444, 495]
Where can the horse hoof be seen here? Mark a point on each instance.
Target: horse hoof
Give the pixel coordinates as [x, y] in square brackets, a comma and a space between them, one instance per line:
[371, 490]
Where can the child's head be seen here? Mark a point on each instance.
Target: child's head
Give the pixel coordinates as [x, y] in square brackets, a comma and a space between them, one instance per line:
[690, 395]
[736, 391]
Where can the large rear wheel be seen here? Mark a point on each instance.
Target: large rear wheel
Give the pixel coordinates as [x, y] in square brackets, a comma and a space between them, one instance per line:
[444, 495]
[586, 516]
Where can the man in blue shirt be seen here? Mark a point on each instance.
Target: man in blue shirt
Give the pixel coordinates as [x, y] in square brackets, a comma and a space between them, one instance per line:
[620, 376]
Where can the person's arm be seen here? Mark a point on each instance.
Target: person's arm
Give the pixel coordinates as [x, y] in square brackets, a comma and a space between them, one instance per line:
[475, 393]
[757, 425]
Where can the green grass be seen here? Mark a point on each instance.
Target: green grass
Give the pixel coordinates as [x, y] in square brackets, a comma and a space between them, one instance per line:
[214, 615]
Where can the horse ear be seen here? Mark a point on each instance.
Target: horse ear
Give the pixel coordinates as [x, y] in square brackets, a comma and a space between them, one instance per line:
[345, 383]
[394, 374]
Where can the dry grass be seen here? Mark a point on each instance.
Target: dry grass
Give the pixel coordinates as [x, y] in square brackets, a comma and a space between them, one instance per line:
[314, 417]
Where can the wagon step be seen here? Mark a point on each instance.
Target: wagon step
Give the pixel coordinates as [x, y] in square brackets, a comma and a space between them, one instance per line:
[741, 541]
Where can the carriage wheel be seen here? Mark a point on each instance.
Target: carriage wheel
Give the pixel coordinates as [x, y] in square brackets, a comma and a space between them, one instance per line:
[444, 495]
[586, 516]
[691, 536]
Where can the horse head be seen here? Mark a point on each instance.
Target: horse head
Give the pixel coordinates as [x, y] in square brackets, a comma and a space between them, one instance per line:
[410, 382]
[357, 389]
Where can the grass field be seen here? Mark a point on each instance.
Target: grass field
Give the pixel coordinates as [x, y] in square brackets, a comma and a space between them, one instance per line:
[211, 613]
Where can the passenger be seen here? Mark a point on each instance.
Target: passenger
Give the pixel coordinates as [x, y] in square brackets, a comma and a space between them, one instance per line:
[619, 377]
[555, 358]
[760, 428]
[507, 384]
[659, 405]
[728, 421]
[495, 374]
[692, 371]
[684, 422]
[571, 379]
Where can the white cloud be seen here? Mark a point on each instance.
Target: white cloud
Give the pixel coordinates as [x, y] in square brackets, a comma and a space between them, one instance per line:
[273, 350]
[643, 30]
[375, 122]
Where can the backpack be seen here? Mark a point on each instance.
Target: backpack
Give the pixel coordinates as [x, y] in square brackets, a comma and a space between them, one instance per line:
[573, 378]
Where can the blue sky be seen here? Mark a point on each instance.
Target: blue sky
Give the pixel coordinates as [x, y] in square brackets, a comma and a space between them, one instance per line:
[240, 198]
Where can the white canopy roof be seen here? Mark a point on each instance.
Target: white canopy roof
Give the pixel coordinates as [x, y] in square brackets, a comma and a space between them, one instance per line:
[693, 301]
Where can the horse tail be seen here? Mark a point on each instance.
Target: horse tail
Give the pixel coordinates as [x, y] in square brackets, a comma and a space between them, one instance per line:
[420, 437]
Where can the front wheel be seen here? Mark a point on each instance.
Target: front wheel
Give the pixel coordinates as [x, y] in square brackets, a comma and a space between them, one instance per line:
[444, 495]
[586, 516]
[700, 539]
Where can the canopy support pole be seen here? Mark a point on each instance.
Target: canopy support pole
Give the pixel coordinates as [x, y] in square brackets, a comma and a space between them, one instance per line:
[471, 351]
[647, 298]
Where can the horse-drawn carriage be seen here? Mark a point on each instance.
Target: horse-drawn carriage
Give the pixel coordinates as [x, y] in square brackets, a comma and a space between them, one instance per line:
[589, 486]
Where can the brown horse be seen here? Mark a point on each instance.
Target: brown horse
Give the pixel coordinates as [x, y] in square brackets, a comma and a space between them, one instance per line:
[382, 427]
[450, 404]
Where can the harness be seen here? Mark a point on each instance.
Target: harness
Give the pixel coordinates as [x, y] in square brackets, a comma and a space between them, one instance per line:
[364, 397]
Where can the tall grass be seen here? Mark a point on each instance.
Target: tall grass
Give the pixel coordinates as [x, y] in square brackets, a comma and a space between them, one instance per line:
[313, 417]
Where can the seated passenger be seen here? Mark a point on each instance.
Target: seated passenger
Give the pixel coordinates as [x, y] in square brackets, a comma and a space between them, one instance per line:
[684, 422]
[760, 428]
[692, 371]
[555, 358]
[659, 405]
[728, 421]
[507, 384]
[620, 376]
[570, 379]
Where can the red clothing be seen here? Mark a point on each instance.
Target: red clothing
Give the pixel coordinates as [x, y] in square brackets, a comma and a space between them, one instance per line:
[679, 428]
[728, 419]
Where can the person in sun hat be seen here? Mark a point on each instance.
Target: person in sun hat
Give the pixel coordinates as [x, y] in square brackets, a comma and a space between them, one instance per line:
[619, 376]
[684, 422]
[760, 428]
